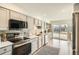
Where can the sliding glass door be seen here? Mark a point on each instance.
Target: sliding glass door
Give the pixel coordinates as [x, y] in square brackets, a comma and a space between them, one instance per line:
[60, 31]
[56, 31]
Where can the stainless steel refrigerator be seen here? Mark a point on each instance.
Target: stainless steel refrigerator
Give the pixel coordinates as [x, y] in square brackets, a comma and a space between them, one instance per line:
[76, 33]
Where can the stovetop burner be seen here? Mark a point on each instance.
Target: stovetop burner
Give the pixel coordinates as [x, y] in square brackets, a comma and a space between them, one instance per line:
[18, 40]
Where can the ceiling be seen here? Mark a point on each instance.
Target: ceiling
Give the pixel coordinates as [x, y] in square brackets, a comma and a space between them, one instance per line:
[47, 11]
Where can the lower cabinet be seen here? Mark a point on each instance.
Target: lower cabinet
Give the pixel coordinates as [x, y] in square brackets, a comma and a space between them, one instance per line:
[50, 35]
[34, 45]
[40, 41]
[8, 53]
[6, 50]
[46, 39]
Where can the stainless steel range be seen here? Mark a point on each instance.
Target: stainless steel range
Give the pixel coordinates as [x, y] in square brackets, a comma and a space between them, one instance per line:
[22, 46]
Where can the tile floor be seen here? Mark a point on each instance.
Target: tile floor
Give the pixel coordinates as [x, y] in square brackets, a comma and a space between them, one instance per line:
[65, 46]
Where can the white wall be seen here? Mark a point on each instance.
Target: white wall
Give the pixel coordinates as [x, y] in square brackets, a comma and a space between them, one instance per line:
[69, 22]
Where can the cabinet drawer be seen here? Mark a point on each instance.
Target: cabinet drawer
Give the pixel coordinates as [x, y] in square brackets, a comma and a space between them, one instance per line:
[5, 49]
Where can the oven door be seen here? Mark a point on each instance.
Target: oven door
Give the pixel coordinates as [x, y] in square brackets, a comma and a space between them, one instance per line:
[22, 50]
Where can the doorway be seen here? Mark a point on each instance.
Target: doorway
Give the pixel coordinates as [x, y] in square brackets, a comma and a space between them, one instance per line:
[62, 38]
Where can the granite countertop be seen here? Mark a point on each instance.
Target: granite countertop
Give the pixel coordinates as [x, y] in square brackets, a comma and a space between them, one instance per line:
[7, 43]
[4, 44]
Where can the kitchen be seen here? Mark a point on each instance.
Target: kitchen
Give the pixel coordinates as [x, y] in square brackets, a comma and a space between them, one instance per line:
[21, 34]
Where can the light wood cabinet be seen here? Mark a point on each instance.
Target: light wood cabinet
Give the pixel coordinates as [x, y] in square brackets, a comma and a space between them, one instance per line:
[30, 23]
[34, 45]
[46, 39]
[36, 22]
[8, 53]
[42, 40]
[39, 23]
[4, 17]
[17, 16]
[5, 49]
[43, 26]
[40, 43]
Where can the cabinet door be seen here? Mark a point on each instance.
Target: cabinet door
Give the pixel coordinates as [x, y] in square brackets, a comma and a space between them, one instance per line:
[8, 53]
[22, 17]
[30, 23]
[42, 41]
[40, 22]
[43, 26]
[50, 36]
[34, 45]
[14, 15]
[4, 17]
[40, 44]
[46, 39]
[36, 22]
[17, 16]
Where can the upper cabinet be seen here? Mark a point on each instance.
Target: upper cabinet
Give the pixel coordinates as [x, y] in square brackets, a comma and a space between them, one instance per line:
[17, 16]
[4, 17]
[36, 22]
[40, 23]
[30, 21]
[43, 26]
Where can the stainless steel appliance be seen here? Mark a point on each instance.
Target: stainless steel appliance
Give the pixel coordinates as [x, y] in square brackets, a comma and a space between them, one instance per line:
[16, 24]
[21, 46]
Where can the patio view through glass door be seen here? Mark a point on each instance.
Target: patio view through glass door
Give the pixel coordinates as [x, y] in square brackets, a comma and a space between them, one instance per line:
[62, 38]
[60, 32]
